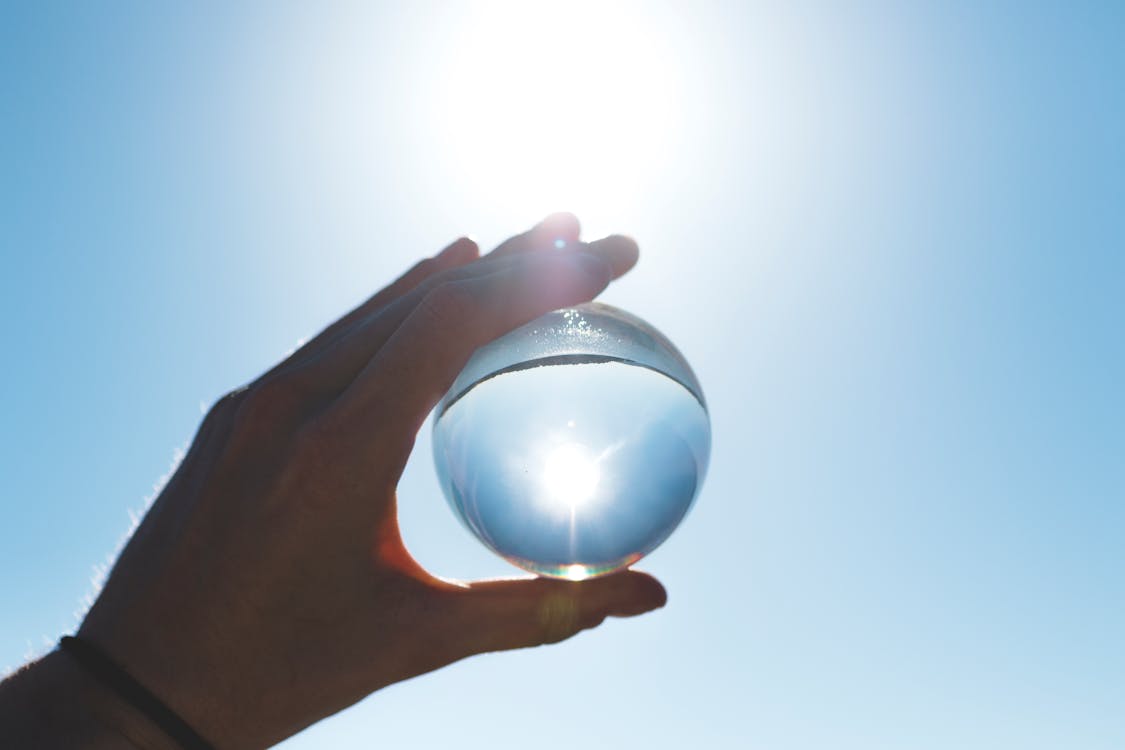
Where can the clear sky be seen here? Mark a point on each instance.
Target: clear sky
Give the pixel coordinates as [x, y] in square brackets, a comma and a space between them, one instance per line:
[889, 237]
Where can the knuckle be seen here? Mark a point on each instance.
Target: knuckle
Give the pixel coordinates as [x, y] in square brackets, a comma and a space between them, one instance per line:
[424, 268]
[226, 406]
[222, 414]
[268, 403]
[449, 304]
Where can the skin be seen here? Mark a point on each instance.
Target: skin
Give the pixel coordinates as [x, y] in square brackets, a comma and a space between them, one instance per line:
[268, 586]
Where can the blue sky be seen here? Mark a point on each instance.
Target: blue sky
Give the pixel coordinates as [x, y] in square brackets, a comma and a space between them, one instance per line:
[889, 238]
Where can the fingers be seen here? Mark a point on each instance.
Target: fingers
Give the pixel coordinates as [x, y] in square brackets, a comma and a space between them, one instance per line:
[329, 364]
[618, 252]
[458, 253]
[508, 614]
[555, 231]
[419, 362]
[561, 230]
[333, 369]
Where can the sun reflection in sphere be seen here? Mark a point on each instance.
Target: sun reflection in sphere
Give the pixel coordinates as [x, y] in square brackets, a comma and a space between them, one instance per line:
[570, 476]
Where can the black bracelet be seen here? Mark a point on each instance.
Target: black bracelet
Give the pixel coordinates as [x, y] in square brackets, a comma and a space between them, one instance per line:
[94, 661]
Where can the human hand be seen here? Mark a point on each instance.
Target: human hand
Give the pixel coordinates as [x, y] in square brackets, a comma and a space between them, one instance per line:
[268, 585]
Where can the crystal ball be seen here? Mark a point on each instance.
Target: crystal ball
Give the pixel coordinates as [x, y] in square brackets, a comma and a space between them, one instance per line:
[574, 445]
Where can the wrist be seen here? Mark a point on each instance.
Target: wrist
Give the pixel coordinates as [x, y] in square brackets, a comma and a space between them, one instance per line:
[54, 703]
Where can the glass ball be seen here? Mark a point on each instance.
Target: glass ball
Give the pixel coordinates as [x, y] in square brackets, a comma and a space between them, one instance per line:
[574, 445]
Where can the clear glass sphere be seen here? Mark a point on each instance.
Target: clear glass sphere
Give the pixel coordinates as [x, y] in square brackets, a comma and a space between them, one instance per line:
[574, 445]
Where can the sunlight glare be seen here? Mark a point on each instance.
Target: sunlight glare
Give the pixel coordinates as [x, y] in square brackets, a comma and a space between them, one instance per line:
[559, 104]
[570, 475]
[577, 573]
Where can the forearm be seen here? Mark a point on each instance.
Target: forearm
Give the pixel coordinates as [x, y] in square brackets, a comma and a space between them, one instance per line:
[52, 703]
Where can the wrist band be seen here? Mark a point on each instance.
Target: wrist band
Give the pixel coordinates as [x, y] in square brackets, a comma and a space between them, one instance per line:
[95, 661]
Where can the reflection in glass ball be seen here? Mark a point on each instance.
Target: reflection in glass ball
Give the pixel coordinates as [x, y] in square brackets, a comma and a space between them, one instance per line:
[574, 445]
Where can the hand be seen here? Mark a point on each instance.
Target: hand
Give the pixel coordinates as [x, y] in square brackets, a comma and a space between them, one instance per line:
[268, 585]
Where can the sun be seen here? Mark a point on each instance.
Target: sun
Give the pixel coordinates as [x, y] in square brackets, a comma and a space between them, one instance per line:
[570, 476]
[559, 104]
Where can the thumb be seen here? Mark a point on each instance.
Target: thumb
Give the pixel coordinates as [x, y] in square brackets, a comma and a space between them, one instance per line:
[507, 614]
